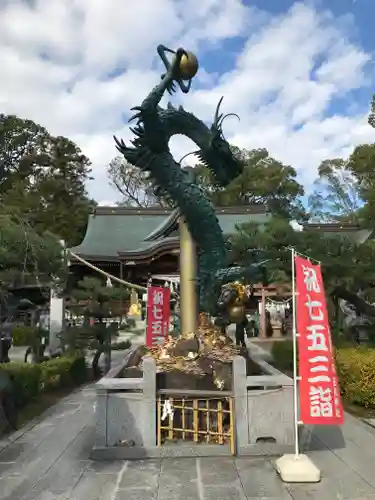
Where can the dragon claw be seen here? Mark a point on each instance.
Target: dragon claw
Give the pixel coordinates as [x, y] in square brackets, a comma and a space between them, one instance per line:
[137, 116]
[138, 131]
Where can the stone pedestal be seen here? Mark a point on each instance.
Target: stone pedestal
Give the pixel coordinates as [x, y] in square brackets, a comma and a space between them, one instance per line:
[126, 416]
[56, 321]
[297, 469]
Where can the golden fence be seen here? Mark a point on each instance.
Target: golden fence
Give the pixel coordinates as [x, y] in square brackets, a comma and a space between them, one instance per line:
[198, 418]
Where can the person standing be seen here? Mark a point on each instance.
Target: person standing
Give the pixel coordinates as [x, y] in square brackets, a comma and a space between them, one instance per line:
[6, 340]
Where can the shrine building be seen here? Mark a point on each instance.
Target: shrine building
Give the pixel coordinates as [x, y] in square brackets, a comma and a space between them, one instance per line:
[135, 243]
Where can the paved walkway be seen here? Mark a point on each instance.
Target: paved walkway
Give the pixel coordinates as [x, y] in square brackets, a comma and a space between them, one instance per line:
[49, 460]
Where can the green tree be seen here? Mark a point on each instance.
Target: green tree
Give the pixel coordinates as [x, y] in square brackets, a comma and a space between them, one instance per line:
[25, 253]
[93, 299]
[26, 258]
[133, 184]
[371, 118]
[264, 180]
[43, 179]
[23, 146]
[347, 264]
[336, 195]
[361, 164]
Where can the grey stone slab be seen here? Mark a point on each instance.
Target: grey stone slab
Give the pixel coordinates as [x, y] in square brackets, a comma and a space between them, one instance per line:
[95, 486]
[213, 471]
[35, 461]
[106, 467]
[223, 492]
[140, 474]
[46, 495]
[339, 481]
[38, 433]
[8, 469]
[13, 451]
[177, 471]
[259, 479]
[3, 443]
[178, 492]
[136, 494]
[356, 448]
[19, 481]
[60, 479]
[80, 447]
[13, 487]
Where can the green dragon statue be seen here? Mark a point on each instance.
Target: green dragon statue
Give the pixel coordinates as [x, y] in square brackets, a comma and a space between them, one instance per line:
[150, 152]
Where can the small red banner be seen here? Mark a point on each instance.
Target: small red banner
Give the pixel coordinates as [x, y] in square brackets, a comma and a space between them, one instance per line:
[158, 315]
[319, 391]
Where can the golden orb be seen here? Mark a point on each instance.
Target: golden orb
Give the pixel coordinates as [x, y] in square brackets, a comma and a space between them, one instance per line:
[236, 314]
[188, 66]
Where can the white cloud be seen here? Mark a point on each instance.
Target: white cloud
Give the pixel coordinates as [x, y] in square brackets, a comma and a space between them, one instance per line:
[77, 66]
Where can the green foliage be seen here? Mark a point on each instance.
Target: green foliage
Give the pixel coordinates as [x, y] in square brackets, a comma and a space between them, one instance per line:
[23, 251]
[356, 371]
[337, 193]
[133, 184]
[371, 118]
[26, 335]
[345, 262]
[264, 180]
[101, 301]
[87, 336]
[63, 372]
[361, 164]
[30, 380]
[355, 368]
[26, 381]
[43, 179]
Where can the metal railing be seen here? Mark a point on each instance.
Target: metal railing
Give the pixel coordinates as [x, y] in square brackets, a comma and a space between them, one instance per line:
[195, 416]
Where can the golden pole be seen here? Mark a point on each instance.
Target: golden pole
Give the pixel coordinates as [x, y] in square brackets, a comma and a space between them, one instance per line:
[188, 271]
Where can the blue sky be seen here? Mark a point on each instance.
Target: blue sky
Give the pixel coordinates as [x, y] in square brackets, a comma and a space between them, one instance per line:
[300, 74]
[353, 15]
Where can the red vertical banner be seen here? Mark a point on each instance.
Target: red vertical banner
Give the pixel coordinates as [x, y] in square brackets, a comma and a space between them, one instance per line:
[319, 391]
[158, 315]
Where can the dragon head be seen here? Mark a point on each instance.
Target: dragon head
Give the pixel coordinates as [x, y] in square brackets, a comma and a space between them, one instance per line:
[217, 155]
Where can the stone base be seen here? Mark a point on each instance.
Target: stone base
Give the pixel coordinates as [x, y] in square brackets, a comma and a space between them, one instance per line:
[297, 469]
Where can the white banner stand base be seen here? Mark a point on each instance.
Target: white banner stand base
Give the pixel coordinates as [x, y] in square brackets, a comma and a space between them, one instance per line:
[297, 469]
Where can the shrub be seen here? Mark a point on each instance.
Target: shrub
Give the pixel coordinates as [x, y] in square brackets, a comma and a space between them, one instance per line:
[26, 381]
[62, 372]
[355, 368]
[356, 371]
[29, 380]
[24, 335]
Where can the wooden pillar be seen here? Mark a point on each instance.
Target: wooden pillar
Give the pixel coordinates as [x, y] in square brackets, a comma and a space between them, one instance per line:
[263, 319]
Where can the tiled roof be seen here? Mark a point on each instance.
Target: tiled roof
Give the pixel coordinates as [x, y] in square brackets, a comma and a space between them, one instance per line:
[114, 230]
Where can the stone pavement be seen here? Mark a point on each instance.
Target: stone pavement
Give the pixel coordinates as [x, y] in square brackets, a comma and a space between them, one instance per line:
[49, 460]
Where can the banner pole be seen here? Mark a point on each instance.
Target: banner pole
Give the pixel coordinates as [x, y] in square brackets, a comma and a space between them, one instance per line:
[295, 369]
[149, 283]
